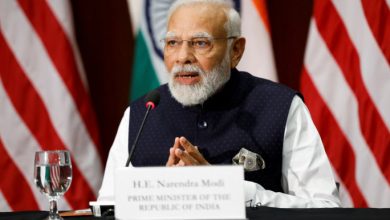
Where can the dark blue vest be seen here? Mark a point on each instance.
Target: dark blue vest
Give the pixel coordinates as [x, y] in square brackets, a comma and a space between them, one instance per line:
[248, 112]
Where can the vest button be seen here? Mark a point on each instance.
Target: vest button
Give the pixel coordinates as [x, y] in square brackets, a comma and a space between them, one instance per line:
[202, 124]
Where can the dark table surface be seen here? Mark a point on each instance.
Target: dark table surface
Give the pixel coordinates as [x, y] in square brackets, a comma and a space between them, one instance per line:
[259, 213]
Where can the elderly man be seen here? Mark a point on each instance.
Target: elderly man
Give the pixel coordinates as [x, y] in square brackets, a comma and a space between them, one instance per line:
[211, 113]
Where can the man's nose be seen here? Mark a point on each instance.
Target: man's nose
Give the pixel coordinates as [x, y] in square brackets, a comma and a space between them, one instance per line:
[185, 54]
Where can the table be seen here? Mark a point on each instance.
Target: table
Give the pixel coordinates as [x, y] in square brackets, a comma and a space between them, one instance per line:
[259, 213]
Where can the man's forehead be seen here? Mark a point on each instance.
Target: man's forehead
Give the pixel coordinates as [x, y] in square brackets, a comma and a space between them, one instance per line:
[194, 34]
[198, 18]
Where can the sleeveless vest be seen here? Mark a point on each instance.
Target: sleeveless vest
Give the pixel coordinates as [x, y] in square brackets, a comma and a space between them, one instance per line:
[248, 112]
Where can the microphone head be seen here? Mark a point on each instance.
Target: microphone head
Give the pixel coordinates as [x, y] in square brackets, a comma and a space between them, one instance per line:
[152, 99]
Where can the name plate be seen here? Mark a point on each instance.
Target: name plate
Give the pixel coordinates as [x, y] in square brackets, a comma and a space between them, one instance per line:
[197, 192]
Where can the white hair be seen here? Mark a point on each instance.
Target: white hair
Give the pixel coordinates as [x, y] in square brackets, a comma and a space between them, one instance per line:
[233, 23]
[212, 81]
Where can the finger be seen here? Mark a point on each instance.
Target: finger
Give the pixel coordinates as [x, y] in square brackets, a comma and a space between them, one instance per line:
[193, 151]
[172, 159]
[187, 145]
[176, 144]
[187, 159]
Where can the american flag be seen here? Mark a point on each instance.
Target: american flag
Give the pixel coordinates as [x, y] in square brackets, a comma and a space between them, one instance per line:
[346, 84]
[44, 104]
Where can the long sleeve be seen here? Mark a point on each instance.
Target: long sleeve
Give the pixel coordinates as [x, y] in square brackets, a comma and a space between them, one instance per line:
[116, 158]
[307, 178]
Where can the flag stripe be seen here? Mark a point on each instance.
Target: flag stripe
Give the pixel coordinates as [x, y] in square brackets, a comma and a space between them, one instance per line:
[23, 95]
[379, 26]
[158, 63]
[58, 47]
[63, 11]
[261, 7]
[144, 78]
[373, 65]
[45, 79]
[4, 207]
[8, 188]
[344, 195]
[258, 56]
[337, 146]
[374, 129]
[23, 156]
[333, 88]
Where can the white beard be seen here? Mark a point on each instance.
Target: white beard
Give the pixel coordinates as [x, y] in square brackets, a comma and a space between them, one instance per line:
[209, 84]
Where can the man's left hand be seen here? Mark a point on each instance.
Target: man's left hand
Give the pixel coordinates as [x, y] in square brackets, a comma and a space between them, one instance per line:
[190, 156]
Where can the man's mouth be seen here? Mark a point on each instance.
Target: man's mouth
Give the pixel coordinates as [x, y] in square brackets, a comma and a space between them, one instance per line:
[187, 78]
[187, 75]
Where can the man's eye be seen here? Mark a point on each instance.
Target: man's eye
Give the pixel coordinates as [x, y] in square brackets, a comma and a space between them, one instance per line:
[171, 43]
[201, 43]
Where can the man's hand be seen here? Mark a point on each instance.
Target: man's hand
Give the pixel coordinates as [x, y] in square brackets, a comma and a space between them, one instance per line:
[172, 159]
[183, 153]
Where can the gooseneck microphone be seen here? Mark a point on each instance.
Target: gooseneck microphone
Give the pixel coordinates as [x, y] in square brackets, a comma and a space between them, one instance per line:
[152, 99]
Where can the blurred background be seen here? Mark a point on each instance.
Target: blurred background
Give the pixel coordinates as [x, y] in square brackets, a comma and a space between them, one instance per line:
[335, 52]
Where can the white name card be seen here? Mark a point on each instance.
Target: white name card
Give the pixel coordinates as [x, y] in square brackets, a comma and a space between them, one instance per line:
[202, 192]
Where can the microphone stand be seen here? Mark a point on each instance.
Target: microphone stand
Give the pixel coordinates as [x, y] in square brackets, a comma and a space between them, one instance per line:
[150, 106]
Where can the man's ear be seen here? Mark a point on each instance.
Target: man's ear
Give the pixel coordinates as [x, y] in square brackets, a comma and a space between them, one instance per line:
[237, 51]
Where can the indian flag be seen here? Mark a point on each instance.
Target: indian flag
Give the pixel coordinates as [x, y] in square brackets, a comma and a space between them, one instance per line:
[150, 20]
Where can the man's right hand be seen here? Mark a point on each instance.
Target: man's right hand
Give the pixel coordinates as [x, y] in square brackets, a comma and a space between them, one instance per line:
[184, 153]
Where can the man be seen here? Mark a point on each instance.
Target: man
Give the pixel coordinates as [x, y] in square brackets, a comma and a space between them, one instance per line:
[211, 112]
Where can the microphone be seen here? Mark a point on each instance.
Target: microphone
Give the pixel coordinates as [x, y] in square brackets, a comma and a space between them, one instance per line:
[152, 99]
